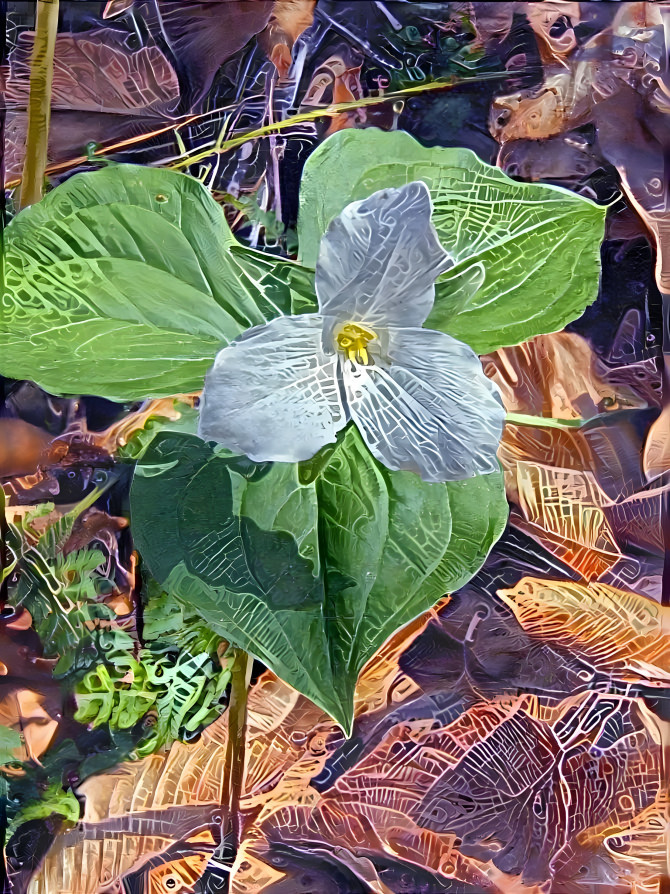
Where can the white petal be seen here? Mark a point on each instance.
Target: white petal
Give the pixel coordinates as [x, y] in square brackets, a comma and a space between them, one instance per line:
[379, 259]
[430, 409]
[273, 393]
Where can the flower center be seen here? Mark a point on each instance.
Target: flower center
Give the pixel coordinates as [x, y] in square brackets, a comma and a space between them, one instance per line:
[352, 339]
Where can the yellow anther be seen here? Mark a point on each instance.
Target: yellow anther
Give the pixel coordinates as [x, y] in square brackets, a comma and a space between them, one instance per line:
[352, 339]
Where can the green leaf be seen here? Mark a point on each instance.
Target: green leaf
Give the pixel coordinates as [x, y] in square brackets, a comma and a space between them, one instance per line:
[55, 801]
[117, 694]
[61, 596]
[178, 675]
[188, 693]
[10, 739]
[183, 688]
[125, 282]
[308, 567]
[527, 257]
[62, 591]
[166, 622]
[137, 443]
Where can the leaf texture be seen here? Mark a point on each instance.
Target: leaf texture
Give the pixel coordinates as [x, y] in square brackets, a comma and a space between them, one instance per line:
[621, 632]
[309, 567]
[125, 282]
[526, 257]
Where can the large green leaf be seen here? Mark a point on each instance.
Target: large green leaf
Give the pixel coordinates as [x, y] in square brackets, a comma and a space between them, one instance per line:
[125, 282]
[527, 257]
[309, 567]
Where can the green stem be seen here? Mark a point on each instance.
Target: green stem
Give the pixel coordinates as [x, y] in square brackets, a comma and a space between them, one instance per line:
[331, 111]
[39, 104]
[544, 421]
[235, 750]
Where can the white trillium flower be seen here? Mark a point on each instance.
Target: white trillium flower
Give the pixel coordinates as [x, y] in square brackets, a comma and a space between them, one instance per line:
[419, 397]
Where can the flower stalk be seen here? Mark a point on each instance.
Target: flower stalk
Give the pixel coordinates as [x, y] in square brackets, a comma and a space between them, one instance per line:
[39, 103]
[236, 750]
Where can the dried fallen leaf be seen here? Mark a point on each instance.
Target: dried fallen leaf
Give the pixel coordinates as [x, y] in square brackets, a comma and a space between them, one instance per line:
[620, 632]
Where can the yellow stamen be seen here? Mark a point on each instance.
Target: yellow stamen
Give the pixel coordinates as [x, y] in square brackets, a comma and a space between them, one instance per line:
[352, 339]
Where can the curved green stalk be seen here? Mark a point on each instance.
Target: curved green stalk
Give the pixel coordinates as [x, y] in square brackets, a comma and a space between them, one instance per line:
[221, 145]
